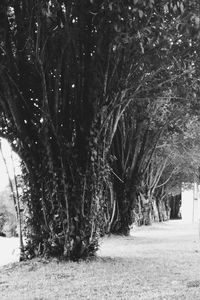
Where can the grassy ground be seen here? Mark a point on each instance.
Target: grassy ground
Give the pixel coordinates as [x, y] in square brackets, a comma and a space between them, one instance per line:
[158, 262]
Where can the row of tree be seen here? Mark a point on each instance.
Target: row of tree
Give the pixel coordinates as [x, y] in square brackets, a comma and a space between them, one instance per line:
[100, 99]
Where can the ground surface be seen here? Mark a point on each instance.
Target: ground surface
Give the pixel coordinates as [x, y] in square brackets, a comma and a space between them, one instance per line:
[158, 262]
[8, 250]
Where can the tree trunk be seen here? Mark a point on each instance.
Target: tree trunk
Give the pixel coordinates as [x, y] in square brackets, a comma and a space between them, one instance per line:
[125, 198]
[175, 203]
[155, 212]
[65, 204]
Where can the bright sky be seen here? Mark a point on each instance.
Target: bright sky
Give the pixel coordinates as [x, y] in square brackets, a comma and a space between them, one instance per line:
[7, 154]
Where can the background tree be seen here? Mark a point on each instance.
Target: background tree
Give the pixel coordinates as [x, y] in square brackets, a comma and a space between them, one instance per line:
[161, 76]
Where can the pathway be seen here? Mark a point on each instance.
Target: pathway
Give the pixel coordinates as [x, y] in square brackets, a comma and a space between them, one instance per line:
[164, 259]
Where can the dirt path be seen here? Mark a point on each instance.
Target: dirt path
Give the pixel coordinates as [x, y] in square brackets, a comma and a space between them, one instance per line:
[154, 263]
[166, 259]
[169, 238]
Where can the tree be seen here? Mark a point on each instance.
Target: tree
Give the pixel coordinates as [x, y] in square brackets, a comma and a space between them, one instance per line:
[63, 92]
[69, 70]
[51, 99]
[155, 47]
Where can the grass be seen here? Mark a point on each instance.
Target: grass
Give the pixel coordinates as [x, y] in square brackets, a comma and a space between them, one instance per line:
[141, 267]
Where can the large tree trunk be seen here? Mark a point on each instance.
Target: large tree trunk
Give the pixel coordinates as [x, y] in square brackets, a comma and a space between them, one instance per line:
[126, 199]
[64, 201]
[120, 224]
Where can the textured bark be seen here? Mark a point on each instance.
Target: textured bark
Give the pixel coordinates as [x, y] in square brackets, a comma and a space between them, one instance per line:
[122, 219]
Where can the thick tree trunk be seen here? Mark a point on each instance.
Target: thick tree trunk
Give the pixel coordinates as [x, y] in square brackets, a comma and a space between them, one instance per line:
[64, 201]
[125, 198]
[155, 212]
[147, 214]
[163, 210]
